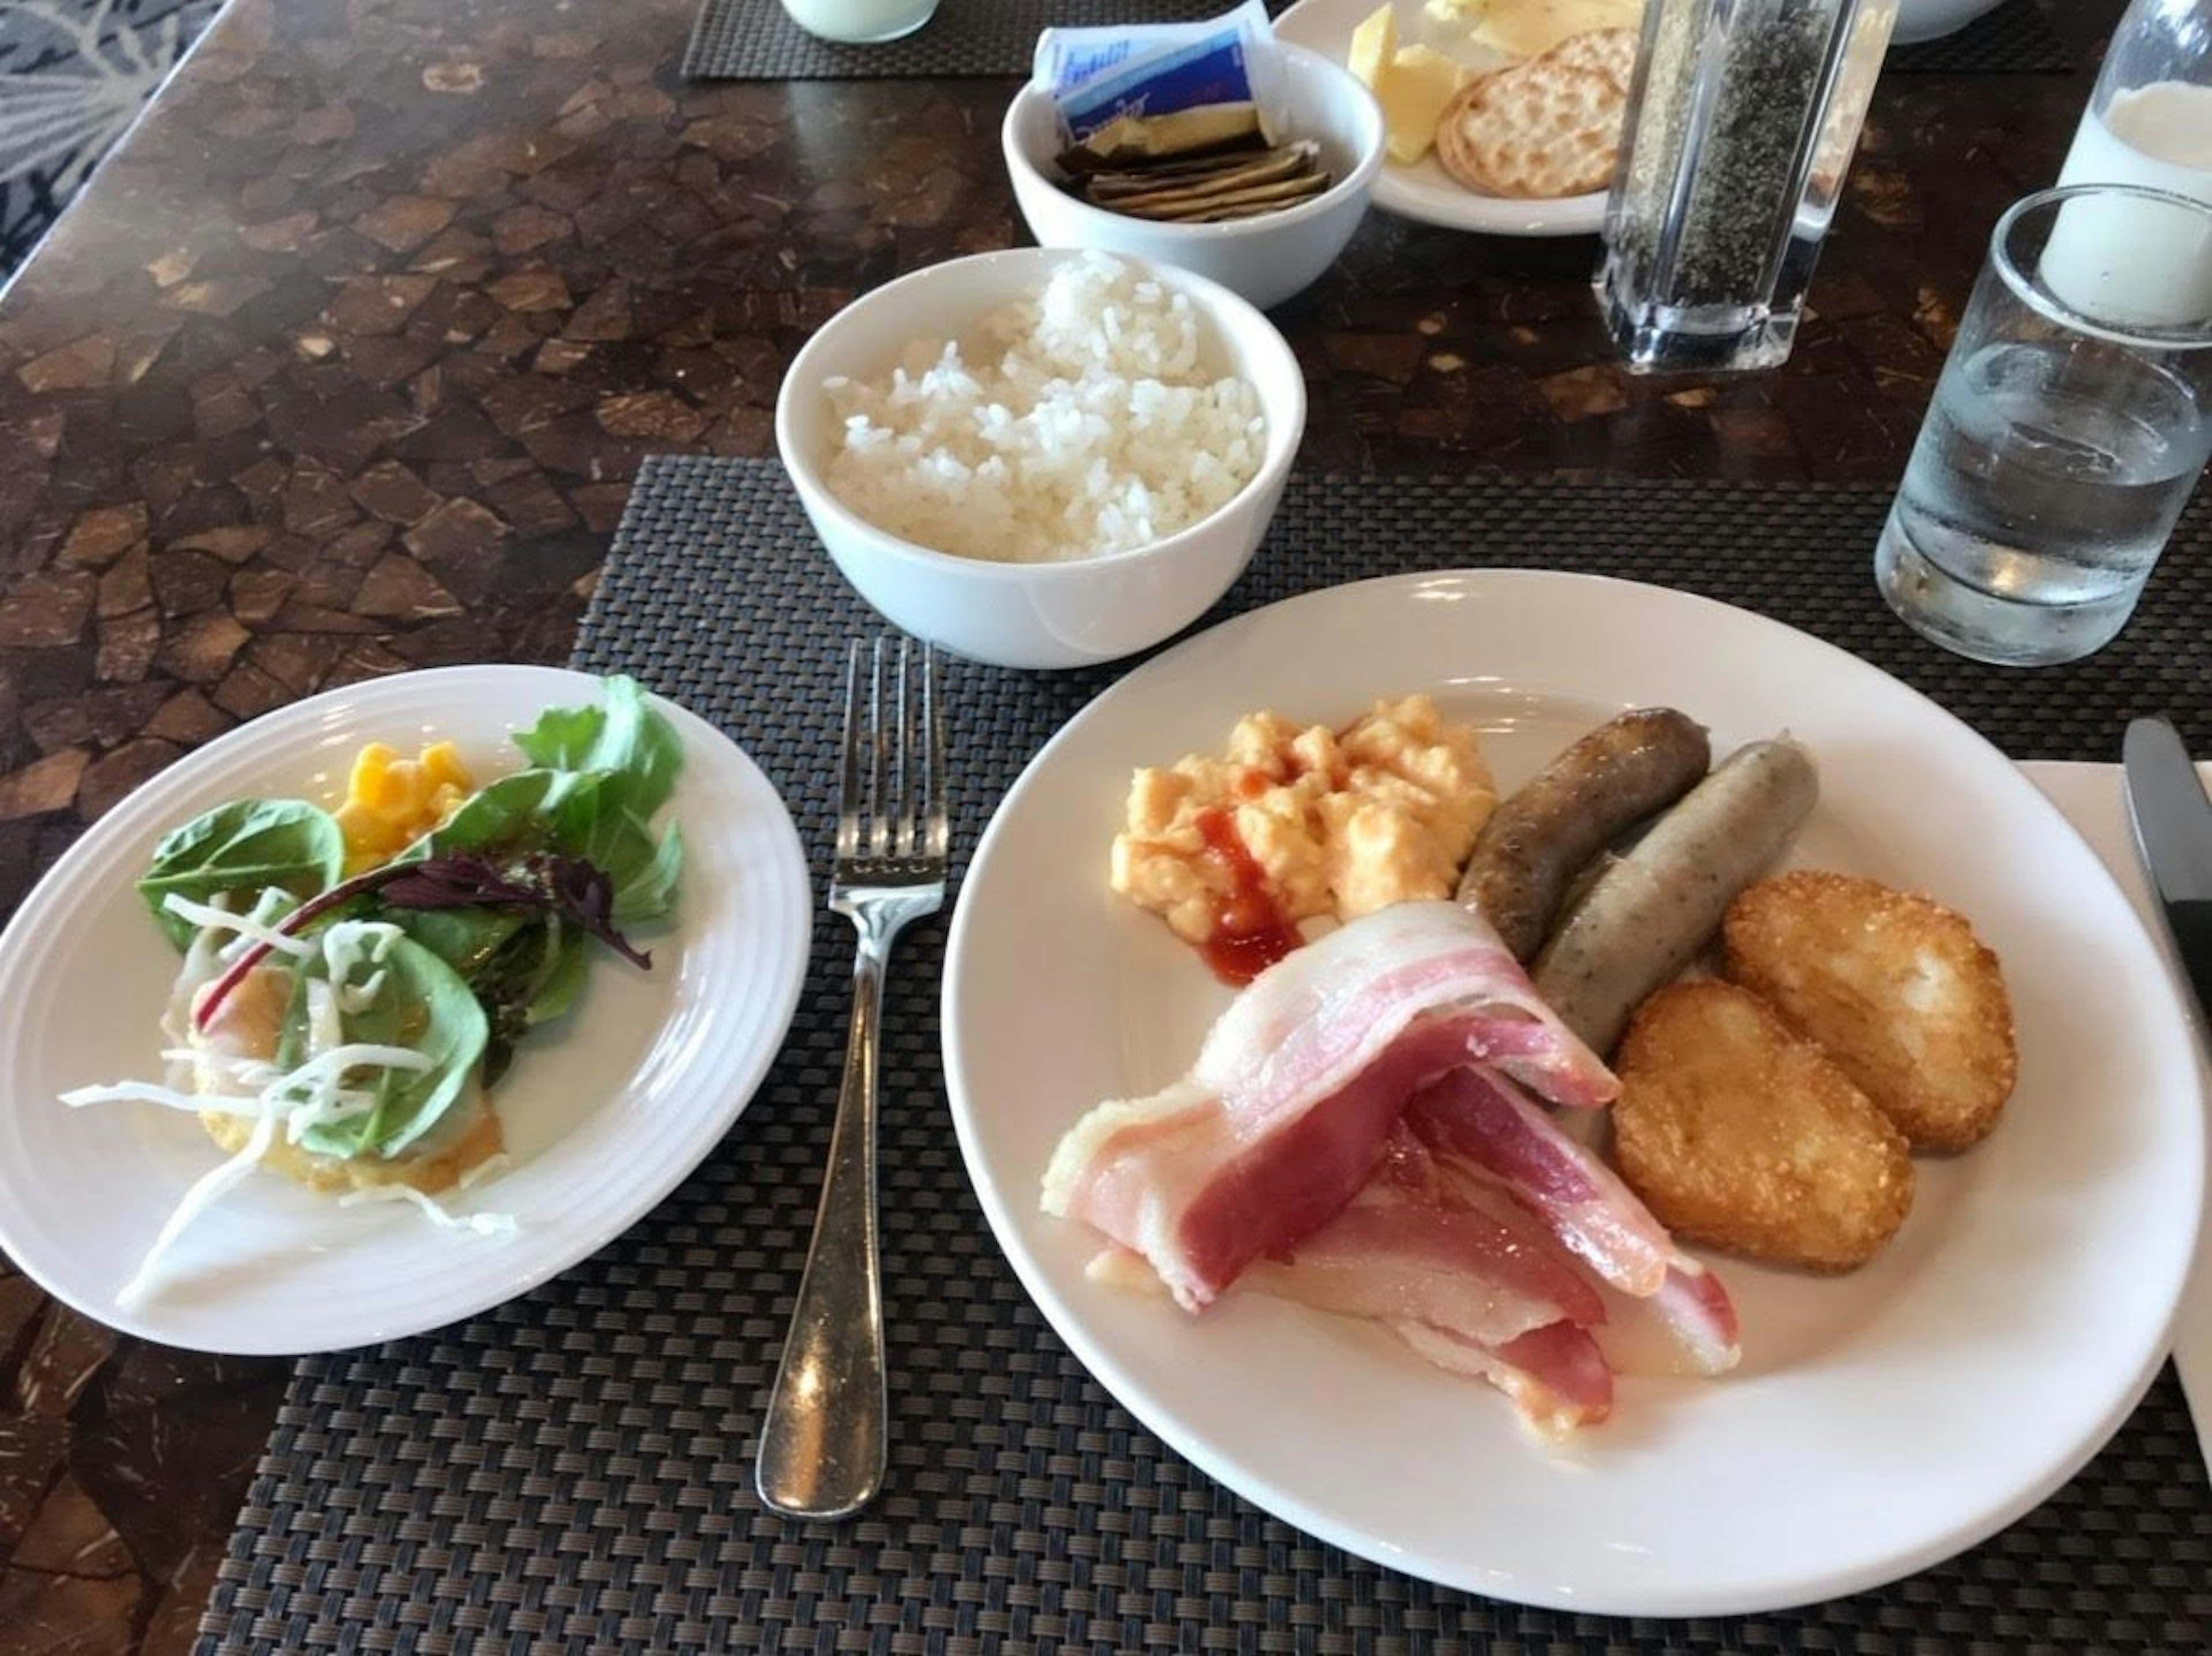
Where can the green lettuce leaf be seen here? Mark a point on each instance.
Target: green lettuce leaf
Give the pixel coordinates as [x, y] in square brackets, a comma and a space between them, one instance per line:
[424, 1004]
[467, 940]
[593, 824]
[518, 812]
[633, 748]
[243, 848]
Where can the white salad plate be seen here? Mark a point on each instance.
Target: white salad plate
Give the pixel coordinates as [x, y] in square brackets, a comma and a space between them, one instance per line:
[1424, 191]
[605, 1111]
[1880, 1422]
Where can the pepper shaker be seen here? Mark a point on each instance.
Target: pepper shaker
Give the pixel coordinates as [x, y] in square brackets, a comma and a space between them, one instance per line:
[1740, 126]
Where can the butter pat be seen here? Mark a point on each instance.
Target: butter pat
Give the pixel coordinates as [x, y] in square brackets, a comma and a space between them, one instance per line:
[1374, 43]
[1419, 83]
[1413, 83]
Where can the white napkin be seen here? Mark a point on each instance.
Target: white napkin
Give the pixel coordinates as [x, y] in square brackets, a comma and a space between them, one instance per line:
[2090, 796]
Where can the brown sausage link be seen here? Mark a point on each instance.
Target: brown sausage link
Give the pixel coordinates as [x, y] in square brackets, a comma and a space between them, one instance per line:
[1543, 832]
[1659, 904]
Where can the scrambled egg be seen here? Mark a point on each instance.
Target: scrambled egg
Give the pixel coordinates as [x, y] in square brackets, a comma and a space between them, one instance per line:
[1340, 823]
[392, 801]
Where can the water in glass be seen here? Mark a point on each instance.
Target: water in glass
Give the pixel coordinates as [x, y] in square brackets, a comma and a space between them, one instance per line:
[2047, 479]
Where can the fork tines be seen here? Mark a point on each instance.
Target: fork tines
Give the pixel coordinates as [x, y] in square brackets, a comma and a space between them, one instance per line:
[892, 790]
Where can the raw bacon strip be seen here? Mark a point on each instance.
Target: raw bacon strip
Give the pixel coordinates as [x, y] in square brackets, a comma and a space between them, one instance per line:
[1285, 1115]
[1688, 1328]
[1468, 1279]
[1409, 1249]
[1702, 1316]
[1556, 1375]
[1309, 1024]
[1468, 1116]
[1481, 1129]
[1173, 1178]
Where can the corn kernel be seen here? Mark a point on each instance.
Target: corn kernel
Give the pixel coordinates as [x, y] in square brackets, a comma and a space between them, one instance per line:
[392, 802]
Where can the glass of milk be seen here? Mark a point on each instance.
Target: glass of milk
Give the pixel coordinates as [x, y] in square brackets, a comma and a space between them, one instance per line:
[860, 22]
[2149, 122]
[2072, 421]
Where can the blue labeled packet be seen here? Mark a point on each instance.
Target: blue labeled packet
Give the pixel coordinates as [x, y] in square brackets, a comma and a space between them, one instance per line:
[1100, 77]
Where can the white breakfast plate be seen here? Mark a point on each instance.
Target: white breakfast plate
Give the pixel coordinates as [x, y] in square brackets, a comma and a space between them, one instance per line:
[1880, 1422]
[605, 1111]
[1424, 191]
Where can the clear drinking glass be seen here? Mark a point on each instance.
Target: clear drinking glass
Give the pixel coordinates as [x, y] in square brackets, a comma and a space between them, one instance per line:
[1741, 124]
[860, 22]
[2070, 423]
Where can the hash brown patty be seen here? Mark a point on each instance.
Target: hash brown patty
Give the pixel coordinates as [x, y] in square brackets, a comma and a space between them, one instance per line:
[1907, 1000]
[1740, 1134]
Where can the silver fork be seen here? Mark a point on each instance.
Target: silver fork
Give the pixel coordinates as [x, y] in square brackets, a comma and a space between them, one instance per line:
[823, 1445]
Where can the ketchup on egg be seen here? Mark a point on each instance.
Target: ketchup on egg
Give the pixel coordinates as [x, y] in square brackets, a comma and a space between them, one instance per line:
[1250, 930]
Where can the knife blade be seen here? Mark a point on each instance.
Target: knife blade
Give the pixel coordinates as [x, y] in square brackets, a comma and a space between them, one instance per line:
[2172, 823]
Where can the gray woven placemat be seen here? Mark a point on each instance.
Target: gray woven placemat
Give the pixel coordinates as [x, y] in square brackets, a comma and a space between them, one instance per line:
[756, 41]
[2015, 38]
[572, 1471]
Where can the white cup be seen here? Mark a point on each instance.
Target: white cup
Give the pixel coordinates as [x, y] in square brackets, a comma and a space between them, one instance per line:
[860, 22]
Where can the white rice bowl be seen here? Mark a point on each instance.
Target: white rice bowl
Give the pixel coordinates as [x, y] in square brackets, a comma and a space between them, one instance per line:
[1080, 421]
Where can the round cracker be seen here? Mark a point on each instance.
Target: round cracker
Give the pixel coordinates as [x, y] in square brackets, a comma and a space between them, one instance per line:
[1610, 51]
[1540, 130]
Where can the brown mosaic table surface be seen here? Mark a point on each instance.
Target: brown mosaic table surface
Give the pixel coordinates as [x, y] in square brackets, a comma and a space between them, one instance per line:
[344, 362]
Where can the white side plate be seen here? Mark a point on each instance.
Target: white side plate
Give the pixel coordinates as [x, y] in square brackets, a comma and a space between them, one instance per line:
[1424, 191]
[605, 1112]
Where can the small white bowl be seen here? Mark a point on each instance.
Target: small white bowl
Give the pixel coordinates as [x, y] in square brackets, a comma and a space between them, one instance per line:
[1063, 614]
[1267, 258]
[1930, 20]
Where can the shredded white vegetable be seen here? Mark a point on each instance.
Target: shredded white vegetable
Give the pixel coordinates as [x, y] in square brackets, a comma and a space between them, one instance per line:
[253, 927]
[444, 1218]
[275, 1088]
[297, 1098]
[204, 1194]
[359, 997]
[284, 1092]
[346, 946]
[498, 1162]
[271, 908]
[324, 1031]
[169, 1097]
[311, 1094]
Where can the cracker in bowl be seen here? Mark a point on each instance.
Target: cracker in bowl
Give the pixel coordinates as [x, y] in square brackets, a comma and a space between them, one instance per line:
[1540, 131]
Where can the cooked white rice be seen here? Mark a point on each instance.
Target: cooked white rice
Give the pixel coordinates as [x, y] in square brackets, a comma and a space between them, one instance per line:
[1087, 426]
